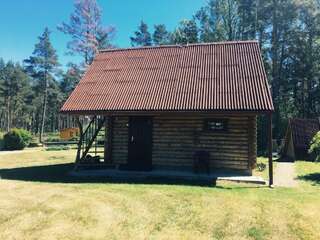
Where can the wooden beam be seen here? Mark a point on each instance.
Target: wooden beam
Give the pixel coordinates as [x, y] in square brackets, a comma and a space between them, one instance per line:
[269, 117]
[89, 125]
[80, 139]
[108, 140]
[106, 144]
[94, 135]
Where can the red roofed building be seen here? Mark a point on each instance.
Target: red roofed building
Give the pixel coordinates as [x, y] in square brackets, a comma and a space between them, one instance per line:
[177, 107]
[298, 137]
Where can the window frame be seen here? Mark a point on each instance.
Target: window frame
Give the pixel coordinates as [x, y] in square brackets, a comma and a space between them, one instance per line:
[224, 121]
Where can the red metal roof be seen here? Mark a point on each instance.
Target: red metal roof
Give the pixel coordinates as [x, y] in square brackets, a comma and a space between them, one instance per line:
[200, 77]
[303, 130]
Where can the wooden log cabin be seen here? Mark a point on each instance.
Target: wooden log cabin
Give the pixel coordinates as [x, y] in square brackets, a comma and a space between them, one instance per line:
[168, 107]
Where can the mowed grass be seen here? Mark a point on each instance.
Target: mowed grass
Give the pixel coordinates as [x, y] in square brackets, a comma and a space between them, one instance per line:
[38, 200]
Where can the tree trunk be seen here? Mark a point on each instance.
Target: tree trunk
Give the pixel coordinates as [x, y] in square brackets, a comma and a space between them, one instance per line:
[274, 50]
[8, 115]
[230, 30]
[310, 76]
[44, 108]
[1, 122]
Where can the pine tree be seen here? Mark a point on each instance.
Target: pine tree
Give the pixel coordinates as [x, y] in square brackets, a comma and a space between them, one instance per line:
[305, 54]
[41, 66]
[13, 91]
[86, 30]
[160, 36]
[186, 32]
[7, 91]
[219, 21]
[70, 79]
[142, 36]
[2, 100]
[21, 90]
[247, 10]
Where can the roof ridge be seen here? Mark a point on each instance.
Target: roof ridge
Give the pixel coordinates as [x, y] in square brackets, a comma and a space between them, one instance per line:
[176, 45]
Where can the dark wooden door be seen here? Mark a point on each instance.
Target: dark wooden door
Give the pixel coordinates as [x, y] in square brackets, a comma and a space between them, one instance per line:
[140, 144]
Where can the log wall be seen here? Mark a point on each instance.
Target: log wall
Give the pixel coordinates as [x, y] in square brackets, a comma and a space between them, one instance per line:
[175, 139]
[120, 140]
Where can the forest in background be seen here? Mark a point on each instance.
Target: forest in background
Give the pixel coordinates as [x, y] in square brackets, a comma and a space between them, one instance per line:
[32, 92]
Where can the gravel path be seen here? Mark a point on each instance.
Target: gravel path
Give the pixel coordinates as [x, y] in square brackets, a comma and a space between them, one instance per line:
[285, 175]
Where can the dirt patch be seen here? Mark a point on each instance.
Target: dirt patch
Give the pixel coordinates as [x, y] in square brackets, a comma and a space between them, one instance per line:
[19, 151]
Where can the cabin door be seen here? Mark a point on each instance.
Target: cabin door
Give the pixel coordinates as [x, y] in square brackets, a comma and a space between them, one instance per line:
[140, 144]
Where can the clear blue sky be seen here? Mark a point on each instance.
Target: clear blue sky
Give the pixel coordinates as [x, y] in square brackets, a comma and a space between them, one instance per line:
[22, 21]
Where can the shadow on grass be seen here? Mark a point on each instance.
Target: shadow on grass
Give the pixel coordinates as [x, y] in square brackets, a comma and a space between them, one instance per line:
[312, 177]
[59, 173]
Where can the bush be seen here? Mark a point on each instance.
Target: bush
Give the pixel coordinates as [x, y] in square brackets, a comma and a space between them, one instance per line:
[53, 139]
[57, 148]
[315, 147]
[26, 136]
[1, 141]
[16, 139]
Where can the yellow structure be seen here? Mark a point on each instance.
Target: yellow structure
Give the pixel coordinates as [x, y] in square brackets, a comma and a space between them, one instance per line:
[68, 133]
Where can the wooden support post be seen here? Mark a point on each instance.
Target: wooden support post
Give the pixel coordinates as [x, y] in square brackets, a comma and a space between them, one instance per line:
[81, 135]
[108, 140]
[269, 120]
[106, 132]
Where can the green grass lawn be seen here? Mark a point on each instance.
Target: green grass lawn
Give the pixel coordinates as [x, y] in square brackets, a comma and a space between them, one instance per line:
[38, 200]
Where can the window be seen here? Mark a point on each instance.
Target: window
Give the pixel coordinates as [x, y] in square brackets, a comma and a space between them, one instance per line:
[216, 125]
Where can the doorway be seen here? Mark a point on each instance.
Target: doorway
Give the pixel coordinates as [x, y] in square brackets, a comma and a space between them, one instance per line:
[140, 144]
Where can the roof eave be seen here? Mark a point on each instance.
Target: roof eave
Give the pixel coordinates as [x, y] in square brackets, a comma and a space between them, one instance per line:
[166, 112]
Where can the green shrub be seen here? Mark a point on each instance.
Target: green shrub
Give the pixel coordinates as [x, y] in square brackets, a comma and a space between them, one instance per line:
[315, 147]
[16, 139]
[58, 139]
[1, 141]
[13, 140]
[57, 148]
[53, 139]
[26, 136]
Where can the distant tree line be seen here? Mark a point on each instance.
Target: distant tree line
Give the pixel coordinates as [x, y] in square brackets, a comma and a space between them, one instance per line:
[32, 93]
[288, 32]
